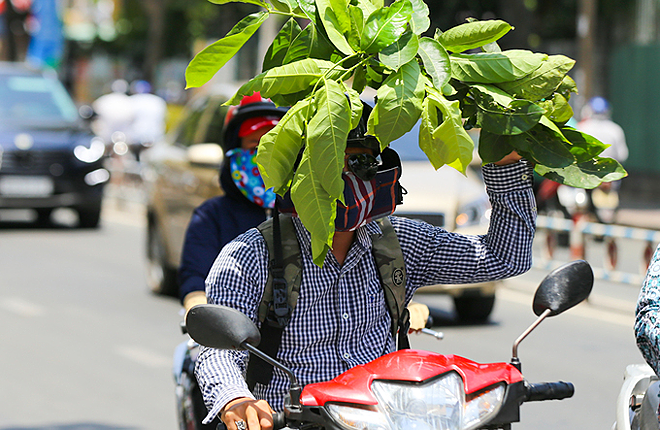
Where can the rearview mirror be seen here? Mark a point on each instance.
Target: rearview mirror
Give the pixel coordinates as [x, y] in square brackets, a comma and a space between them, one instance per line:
[221, 327]
[564, 288]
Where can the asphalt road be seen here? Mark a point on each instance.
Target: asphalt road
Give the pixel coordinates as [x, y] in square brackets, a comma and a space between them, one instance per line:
[85, 346]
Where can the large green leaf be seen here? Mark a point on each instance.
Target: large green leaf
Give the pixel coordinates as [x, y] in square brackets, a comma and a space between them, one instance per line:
[288, 79]
[315, 208]
[588, 174]
[279, 49]
[497, 115]
[496, 67]
[557, 108]
[385, 26]
[420, 21]
[435, 60]
[473, 35]
[360, 79]
[493, 147]
[211, 59]
[584, 147]
[544, 147]
[335, 19]
[309, 43]
[327, 133]
[446, 142]
[543, 81]
[279, 148]
[357, 24]
[401, 51]
[399, 104]
[257, 2]
[356, 105]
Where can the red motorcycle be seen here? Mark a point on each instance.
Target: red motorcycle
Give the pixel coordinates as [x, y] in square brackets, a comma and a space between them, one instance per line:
[409, 389]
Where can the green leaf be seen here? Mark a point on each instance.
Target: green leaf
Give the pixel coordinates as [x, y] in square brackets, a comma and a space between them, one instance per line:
[401, 51]
[315, 208]
[367, 7]
[436, 61]
[498, 67]
[498, 115]
[543, 146]
[279, 49]
[327, 133]
[290, 7]
[588, 174]
[357, 24]
[257, 2]
[446, 142]
[493, 147]
[385, 26]
[356, 105]
[542, 82]
[288, 79]
[334, 21]
[399, 104]
[473, 35]
[279, 148]
[420, 21]
[309, 43]
[584, 147]
[360, 79]
[558, 109]
[211, 59]
[567, 87]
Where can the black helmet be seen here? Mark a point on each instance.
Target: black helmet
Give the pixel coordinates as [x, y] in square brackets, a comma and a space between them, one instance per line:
[253, 106]
[358, 137]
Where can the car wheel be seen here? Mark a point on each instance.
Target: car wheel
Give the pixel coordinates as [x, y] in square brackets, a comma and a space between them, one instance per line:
[474, 308]
[89, 217]
[161, 278]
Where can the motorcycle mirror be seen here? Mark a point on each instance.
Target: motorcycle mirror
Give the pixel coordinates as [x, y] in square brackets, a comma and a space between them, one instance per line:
[221, 327]
[564, 288]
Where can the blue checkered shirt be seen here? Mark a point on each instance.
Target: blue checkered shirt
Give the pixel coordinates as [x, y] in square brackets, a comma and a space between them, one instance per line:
[341, 319]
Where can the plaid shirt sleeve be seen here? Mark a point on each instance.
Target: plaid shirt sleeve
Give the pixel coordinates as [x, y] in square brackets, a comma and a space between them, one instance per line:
[237, 279]
[436, 256]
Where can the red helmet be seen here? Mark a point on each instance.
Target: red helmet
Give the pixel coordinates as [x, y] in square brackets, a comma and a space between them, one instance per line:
[251, 114]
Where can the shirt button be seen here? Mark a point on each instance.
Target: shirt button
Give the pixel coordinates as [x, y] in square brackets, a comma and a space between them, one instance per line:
[524, 177]
[347, 355]
[345, 316]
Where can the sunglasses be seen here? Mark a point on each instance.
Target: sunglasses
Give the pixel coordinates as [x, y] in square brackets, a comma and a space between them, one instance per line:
[365, 166]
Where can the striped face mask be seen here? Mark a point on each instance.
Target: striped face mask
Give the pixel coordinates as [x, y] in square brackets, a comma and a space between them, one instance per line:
[245, 173]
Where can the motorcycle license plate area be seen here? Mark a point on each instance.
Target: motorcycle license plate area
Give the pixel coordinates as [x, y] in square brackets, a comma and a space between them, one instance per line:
[26, 186]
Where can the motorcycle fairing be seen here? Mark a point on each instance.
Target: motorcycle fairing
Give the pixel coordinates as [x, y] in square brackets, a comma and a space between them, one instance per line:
[354, 385]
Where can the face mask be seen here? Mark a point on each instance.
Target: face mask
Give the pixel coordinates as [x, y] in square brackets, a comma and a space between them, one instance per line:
[366, 200]
[245, 174]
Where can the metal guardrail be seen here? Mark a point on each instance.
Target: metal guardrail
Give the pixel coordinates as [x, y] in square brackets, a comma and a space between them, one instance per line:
[579, 229]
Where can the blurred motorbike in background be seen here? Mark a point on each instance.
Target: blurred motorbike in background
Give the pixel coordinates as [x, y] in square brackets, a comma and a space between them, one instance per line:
[637, 404]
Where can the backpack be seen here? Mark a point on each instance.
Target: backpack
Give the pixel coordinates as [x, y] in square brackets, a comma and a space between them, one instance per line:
[285, 276]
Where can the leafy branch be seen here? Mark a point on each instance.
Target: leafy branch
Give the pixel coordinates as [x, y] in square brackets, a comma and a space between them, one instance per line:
[458, 79]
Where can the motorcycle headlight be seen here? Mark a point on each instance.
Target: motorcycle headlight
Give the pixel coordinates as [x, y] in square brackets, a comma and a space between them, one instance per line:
[93, 153]
[440, 404]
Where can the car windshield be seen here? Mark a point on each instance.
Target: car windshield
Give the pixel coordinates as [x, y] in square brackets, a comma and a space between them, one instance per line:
[34, 99]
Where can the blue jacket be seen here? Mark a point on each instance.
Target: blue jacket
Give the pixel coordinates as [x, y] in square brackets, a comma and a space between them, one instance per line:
[214, 223]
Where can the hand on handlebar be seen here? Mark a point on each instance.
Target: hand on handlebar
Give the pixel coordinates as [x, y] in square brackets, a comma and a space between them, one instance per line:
[256, 414]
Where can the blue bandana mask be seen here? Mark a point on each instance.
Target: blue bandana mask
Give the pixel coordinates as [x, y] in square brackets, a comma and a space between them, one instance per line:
[245, 174]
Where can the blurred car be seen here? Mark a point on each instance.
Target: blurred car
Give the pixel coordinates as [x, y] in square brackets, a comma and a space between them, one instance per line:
[180, 172]
[48, 156]
[447, 199]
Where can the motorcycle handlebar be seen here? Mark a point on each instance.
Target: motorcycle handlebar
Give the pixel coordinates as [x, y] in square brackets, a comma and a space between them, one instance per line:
[549, 391]
[279, 420]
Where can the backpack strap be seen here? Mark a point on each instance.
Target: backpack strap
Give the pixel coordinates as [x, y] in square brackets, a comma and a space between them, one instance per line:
[280, 293]
[392, 270]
